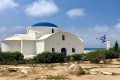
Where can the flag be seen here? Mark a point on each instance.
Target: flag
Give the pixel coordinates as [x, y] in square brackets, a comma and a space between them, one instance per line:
[102, 38]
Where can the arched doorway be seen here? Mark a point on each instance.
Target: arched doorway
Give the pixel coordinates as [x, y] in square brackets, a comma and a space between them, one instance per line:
[63, 50]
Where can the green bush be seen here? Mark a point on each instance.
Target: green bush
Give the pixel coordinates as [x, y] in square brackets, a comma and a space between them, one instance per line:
[95, 56]
[11, 57]
[49, 57]
[76, 57]
[67, 58]
[110, 54]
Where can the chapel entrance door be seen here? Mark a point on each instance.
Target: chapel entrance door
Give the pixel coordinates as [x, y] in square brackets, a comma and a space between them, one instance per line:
[63, 50]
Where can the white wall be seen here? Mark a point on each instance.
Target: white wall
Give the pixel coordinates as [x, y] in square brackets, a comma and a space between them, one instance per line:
[45, 30]
[71, 41]
[10, 46]
[29, 47]
[40, 46]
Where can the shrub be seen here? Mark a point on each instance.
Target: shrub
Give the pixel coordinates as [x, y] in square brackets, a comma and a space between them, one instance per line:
[49, 57]
[110, 54]
[76, 57]
[10, 57]
[94, 57]
[67, 58]
[83, 56]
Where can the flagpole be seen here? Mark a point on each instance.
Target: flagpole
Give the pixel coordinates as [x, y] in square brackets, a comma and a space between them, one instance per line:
[105, 41]
[105, 48]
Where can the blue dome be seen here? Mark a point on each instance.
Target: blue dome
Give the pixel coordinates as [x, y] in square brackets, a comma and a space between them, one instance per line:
[44, 24]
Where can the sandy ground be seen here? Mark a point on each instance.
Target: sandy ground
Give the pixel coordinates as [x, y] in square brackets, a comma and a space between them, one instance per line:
[42, 71]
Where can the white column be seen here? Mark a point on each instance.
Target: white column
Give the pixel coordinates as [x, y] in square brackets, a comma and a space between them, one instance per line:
[21, 46]
[108, 44]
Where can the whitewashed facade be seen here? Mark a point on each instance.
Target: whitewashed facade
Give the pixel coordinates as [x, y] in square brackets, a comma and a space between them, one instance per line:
[42, 37]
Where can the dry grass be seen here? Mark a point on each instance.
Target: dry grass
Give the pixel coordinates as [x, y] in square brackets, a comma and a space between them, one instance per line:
[48, 66]
[57, 77]
[60, 72]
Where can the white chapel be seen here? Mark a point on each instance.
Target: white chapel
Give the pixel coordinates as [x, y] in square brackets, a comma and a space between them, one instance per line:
[42, 37]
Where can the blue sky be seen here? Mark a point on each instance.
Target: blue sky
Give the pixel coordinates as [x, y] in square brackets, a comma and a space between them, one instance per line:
[88, 19]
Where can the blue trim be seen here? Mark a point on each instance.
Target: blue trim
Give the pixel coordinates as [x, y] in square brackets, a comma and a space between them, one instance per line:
[44, 24]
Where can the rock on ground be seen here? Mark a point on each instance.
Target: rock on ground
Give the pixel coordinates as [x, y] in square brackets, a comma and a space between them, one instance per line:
[75, 69]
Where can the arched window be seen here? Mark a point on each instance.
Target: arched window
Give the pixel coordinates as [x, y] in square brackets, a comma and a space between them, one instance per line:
[52, 30]
[63, 37]
[53, 49]
[73, 49]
